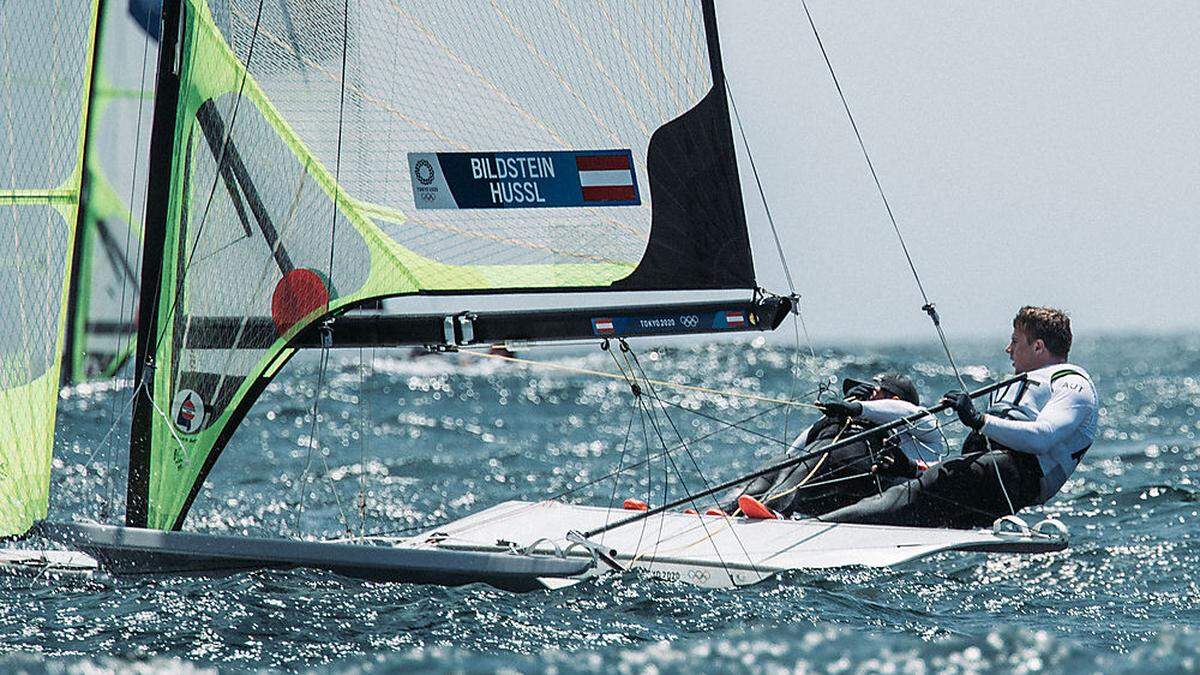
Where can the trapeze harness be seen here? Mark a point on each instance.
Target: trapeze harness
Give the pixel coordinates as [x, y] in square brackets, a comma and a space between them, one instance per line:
[844, 475]
[1035, 434]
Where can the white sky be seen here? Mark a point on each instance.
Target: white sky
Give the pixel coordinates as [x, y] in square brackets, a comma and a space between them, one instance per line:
[1033, 153]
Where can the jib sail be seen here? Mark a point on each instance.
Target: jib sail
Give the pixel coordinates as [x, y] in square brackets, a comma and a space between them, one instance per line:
[45, 73]
[312, 156]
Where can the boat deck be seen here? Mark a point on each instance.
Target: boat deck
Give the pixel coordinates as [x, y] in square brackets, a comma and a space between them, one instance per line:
[715, 550]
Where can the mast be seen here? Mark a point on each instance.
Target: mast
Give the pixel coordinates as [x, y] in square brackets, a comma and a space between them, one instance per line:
[158, 203]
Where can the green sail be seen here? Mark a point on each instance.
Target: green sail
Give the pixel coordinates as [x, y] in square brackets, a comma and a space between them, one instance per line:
[46, 54]
[312, 208]
[100, 335]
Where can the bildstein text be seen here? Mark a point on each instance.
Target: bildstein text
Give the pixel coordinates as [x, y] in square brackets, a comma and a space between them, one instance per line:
[526, 179]
[513, 180]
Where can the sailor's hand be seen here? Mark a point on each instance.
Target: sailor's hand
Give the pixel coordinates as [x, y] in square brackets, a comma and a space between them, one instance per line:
[962, 405]
[840, 409]
[861, 391]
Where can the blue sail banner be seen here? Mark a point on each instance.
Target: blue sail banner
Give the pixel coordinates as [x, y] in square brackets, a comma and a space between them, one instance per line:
[702, 322]
[523, 180]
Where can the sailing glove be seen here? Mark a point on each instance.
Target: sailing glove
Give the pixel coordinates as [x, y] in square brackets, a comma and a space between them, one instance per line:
[860, 392]
[840, 409]
[961, 403]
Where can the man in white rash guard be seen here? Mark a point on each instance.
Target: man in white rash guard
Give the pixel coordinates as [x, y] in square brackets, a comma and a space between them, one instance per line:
[846, 474]
[1020, 452]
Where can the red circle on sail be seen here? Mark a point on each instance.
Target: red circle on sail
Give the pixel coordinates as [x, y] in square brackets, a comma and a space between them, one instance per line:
[299, 293]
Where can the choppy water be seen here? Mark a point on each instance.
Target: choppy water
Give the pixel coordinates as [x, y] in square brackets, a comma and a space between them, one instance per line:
[443, 439]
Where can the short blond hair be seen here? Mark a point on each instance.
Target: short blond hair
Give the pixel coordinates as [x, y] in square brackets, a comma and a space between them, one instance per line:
[1051, 326]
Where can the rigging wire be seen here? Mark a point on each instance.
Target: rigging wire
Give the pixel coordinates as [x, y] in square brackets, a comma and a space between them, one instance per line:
[797, 315]
[628, 354]
[661, 383]
[362, 444]
[787, 272]
[314, 438]
[220, 161]
[648, 414]
[596, 481]
[137, 139]
[928, 307]
[612, 498]
[122, 338]
[337, 160]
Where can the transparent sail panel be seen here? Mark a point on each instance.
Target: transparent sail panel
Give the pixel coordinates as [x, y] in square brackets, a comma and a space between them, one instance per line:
[45, 61]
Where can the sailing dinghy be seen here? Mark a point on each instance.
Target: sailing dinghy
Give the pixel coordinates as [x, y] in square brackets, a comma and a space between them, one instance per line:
[309, 159]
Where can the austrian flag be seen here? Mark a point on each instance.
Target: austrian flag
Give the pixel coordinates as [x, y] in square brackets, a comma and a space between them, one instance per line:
[735, 319]
[606, 178]
[602, 326]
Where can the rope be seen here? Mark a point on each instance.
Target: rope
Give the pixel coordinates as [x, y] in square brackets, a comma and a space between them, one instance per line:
[837, 437]
[660, 383]
[612, 498]
[928, 307]
[999, 479]
[628, 353]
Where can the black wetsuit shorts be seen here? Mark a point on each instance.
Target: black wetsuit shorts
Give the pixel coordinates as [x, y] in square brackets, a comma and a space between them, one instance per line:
[965, 492]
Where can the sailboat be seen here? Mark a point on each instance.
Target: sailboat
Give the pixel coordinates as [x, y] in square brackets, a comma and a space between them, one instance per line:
[308, 159]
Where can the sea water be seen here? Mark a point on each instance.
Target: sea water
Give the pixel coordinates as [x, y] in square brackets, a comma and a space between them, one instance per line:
[411, 442]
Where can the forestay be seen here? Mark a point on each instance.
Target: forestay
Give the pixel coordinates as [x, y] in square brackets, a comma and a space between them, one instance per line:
[45, 74]
[320, 159]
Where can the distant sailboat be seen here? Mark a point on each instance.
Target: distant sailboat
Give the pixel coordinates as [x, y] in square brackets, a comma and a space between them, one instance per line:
[308, 159]
[100, 333]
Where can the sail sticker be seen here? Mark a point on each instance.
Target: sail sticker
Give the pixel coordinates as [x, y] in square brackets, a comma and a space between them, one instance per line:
[732, 319]
[187, 412]
[704, 322]
[523, 180]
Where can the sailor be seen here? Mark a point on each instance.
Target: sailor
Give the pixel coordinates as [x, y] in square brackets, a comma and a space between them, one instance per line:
[848, 473]
[1019, 453]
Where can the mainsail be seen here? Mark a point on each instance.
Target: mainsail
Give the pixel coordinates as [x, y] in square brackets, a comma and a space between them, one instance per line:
[309, 157]
[46, 53]
[104, 284]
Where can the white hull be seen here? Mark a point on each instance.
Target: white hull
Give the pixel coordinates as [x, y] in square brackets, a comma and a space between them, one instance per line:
[713, 551]
[45, 562]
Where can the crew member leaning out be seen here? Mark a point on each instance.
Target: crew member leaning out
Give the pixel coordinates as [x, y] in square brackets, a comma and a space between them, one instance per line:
[1020, 451]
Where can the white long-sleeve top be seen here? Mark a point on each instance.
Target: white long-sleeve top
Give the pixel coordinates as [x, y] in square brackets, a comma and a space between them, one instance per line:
[1063, 407]
[921, 441]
